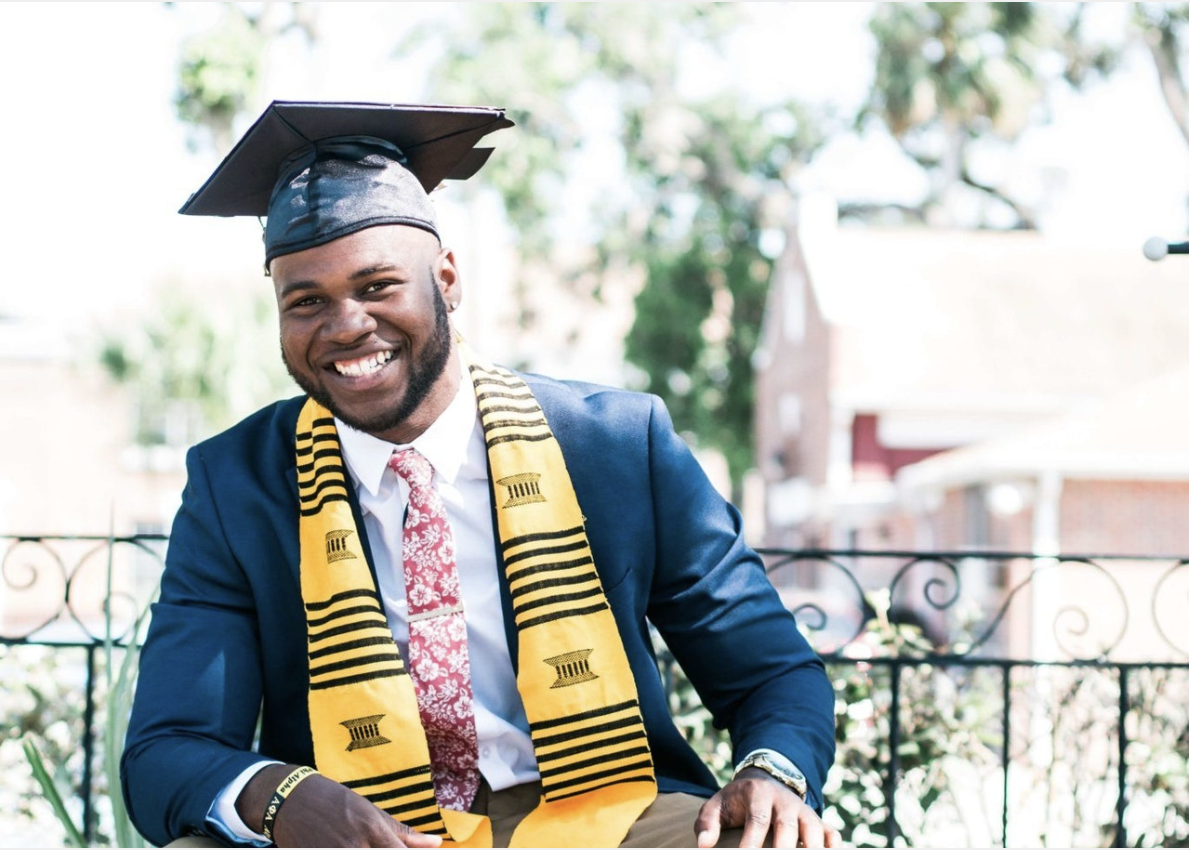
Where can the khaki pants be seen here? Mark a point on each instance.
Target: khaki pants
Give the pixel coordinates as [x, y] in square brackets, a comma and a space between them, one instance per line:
[669, 822]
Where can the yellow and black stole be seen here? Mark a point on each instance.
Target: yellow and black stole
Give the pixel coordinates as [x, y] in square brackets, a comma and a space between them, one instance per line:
[573, 675]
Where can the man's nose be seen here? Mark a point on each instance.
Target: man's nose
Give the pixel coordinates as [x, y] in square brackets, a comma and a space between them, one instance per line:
[349, 321]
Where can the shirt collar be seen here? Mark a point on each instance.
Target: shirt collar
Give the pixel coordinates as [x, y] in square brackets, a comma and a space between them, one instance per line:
[444, 444]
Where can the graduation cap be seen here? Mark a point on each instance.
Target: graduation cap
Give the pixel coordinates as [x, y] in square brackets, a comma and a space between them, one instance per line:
[319, 171]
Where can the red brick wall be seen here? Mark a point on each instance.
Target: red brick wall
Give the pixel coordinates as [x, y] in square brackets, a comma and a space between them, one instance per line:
[870, 459]
[1125, 517]
[1097, 517]
[800, 367]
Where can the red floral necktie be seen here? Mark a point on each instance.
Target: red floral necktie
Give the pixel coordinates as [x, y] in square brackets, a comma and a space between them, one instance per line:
[438, 659]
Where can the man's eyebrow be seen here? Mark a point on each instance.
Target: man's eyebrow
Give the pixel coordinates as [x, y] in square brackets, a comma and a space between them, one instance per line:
[296, 286]
[376, 269]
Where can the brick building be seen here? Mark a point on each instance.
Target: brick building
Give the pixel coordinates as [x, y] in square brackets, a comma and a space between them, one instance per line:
[934, 390]
[887, 350]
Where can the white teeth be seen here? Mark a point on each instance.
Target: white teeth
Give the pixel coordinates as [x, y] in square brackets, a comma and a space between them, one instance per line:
[364, 365]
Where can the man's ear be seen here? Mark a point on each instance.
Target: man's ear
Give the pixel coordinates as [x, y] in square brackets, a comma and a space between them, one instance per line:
[446, 276]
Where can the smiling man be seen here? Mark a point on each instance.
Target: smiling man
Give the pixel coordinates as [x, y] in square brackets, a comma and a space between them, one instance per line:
[416, 605]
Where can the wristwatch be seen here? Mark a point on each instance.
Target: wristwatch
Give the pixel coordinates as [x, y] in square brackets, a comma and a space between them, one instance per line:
[778, 767]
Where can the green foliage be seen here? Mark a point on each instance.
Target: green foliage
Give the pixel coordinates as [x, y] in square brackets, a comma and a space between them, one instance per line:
[1158, 758]
[1162, 29]
[698, 318]
[74, 836]
[220, 69]
[196, 364]
[945, 717]
[952, 78]
[114, 700]
[120, 690]
[45, 705]
[696, 325]
[218, 74]
[1164, 25]
[559, 67]
[954, 63]
[41, 702]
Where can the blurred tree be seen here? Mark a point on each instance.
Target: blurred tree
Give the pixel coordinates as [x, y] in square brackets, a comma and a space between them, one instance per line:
[690, 187]
[219, 70]
[952, 77]
[953, 80]
[194, 369]
[1162, 28]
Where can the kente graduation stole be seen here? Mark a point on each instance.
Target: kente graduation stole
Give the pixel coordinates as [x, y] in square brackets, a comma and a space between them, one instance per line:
[573, 675]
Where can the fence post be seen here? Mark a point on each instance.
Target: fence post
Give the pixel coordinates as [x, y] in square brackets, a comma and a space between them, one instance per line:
[1006, 729]
[894, 746]
[1122, 767]
[89, 749]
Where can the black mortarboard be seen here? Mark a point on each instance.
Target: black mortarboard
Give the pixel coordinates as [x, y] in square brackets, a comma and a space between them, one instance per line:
[319, 171]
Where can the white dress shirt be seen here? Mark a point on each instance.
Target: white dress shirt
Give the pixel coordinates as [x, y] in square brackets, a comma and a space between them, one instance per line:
[454, 446]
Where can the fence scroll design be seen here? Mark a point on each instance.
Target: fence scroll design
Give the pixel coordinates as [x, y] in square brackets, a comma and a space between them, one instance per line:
[1030, 700]
[993, 698]
[983, 698]
[1094, 623]
[76, 590]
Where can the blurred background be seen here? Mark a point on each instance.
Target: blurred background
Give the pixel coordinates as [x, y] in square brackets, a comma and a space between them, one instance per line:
[956, 196]
[883, 261]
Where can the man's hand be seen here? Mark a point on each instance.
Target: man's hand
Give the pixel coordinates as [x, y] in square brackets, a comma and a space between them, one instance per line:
[766, 809]
[320, 812]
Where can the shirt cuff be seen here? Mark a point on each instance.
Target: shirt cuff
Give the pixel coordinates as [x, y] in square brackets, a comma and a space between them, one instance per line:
[223, 819]
[775, 756]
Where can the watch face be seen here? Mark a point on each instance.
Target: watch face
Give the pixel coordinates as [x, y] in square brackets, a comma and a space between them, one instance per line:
[790, 776]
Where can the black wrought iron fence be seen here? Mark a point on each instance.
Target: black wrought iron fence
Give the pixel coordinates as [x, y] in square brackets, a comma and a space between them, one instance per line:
[994, 698]
[983, 698]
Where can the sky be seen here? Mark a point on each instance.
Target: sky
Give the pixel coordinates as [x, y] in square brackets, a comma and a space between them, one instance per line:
[98, 164]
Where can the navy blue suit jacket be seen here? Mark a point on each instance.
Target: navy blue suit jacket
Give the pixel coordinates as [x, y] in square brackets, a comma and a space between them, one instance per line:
[226, 645]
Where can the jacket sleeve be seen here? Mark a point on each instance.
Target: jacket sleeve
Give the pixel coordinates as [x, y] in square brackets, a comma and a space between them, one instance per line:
[198, 691]
[724, 622]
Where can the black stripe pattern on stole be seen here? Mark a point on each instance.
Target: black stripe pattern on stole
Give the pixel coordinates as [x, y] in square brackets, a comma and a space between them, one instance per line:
[551, 577]
[350, 641]
[507, 408]
[592, 749]
[407, 795]
[321, 476]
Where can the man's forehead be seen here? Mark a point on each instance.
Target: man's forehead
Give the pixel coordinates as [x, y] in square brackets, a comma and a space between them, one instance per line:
[395, 249]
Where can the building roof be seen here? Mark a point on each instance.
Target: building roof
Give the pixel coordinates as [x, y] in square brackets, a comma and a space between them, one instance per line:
[981, 321]
[1141, 433]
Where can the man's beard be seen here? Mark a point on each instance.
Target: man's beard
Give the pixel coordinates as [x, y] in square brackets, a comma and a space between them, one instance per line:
[423, 375]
